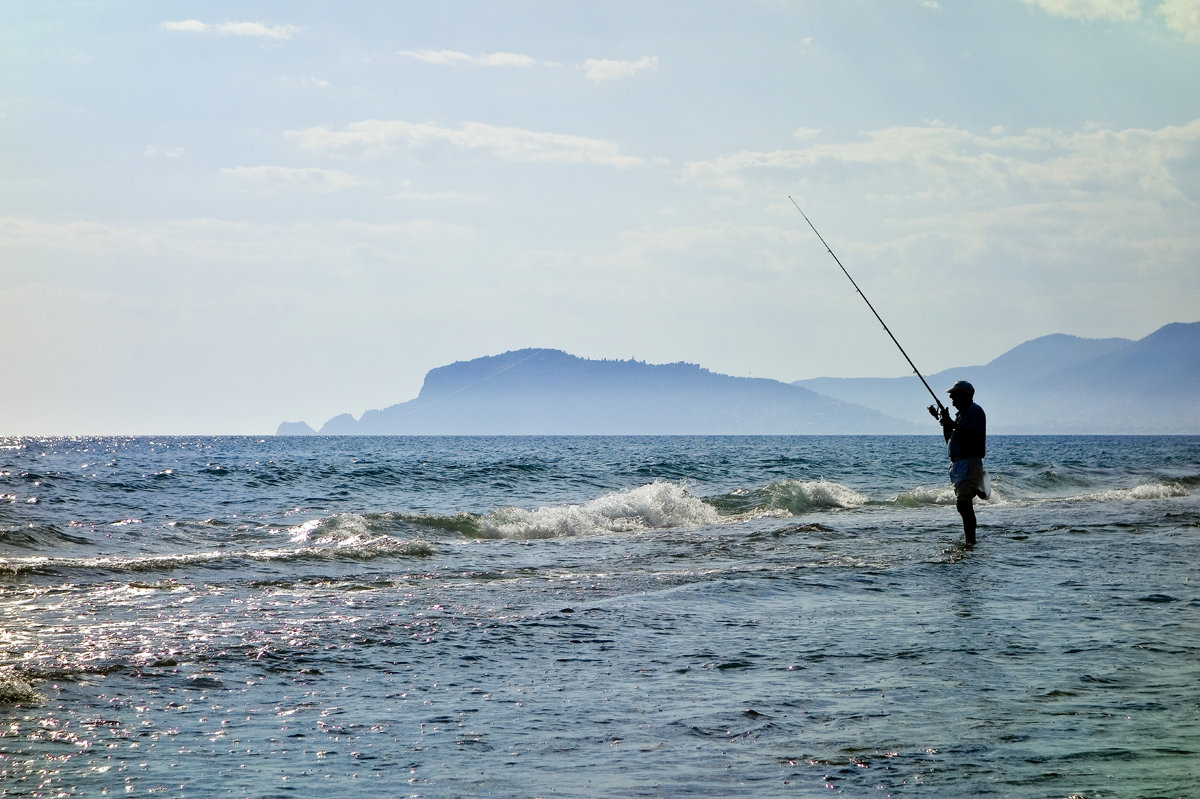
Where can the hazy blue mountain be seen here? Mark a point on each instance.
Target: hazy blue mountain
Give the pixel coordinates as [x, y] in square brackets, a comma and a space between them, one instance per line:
[1060, 384]
[341, 425]
[1053, 384]
[1012, 372]
[542, 391]
[1043, 357]
[294, 429]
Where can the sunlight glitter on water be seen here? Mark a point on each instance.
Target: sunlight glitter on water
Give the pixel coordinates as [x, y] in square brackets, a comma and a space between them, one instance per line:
[370, 639]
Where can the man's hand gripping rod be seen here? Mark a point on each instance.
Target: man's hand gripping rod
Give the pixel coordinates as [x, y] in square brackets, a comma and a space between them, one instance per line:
[938, 412]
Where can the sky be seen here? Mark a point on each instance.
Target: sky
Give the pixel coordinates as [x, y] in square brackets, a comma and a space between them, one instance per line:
[218, 216]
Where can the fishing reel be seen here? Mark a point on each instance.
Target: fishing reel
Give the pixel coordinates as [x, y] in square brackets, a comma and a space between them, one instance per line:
[941, 413]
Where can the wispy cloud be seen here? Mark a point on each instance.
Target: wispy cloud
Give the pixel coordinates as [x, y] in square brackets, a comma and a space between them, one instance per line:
[440, 196]
[1115, 200]
[1090, 9]
[220, 241]
[455, 58]
[1180, 16]
[256, 29]
[599, 69]
[154, 151]
[1183, 17]
[958, 162]
[373, 138]
[278, 178]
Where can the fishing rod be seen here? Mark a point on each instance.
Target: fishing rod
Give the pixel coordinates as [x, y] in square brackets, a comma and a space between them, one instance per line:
[916, 371]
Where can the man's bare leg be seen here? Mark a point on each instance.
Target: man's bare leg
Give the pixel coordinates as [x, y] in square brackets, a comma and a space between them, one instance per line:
[966, 509]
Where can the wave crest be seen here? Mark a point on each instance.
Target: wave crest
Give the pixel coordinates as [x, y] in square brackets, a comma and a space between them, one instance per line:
[342, 536]
[1138, 492]
[922, 496]
[655, 506]
[798, 496]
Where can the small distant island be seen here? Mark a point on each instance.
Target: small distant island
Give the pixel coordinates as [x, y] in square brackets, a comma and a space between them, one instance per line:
[1057, 384]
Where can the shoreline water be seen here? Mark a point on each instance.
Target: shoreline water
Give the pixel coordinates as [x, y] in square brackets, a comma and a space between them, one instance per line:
[756, 616]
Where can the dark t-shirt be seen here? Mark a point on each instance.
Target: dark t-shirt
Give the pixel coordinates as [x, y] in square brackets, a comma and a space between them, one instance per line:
[968, 439]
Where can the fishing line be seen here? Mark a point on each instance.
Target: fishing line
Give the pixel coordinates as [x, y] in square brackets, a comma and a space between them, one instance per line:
[869, 305]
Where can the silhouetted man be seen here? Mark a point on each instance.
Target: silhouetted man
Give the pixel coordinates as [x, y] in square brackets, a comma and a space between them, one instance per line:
[966, 438]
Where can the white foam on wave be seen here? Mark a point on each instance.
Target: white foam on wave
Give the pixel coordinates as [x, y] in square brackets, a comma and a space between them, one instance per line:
[654, 506]
[350, 535]
[797, 496]
[336, 537]
[1138, 492]
[302, 533]
[927, 495]
[340, 530]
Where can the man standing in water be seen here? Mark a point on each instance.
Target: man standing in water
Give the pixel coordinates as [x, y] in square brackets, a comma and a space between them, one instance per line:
[966, 437]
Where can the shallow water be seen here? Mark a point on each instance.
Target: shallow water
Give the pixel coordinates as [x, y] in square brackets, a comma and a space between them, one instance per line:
[752, 616]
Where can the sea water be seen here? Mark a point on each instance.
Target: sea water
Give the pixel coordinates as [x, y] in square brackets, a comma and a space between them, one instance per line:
[582, 617]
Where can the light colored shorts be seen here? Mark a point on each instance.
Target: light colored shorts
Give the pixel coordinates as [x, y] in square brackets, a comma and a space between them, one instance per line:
[969, 479]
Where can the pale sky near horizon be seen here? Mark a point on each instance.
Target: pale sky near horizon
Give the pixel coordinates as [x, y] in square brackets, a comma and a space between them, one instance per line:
[217, 216]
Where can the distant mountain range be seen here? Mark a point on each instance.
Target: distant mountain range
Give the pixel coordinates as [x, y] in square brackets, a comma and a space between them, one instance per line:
[1061, 384]
[1053, 384]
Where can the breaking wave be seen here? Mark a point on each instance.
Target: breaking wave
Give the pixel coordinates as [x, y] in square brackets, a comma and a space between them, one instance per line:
[339, 537]
[790, 498]
[1138, 492]
[656, 506]
[798, 496]
[927, 495]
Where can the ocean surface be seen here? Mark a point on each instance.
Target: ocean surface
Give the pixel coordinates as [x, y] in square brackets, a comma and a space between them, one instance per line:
[595, 617]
